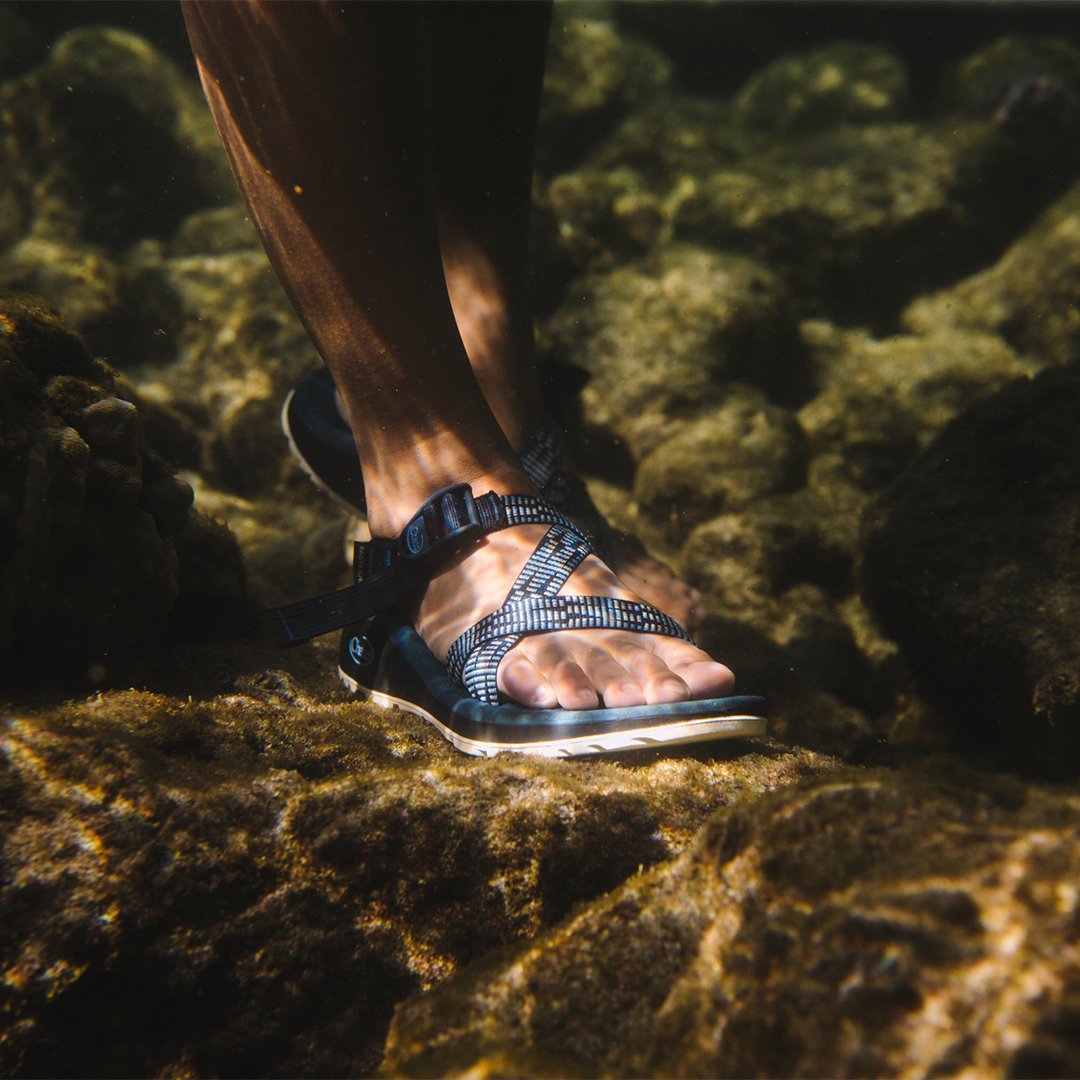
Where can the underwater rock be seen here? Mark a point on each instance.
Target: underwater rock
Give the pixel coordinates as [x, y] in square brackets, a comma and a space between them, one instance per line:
[786, 621]
[982, 82]
[218, 231]
[843, 83]
[247, 880]
[110, 142]
[595, 218]
[856, 219]
[227, 347]
[721, 461]
[592, 76]
[918, 922]
[883, 399]
[90, 513]
[1030, 297]
[83, 282]
[971, 564]
[659, 341]
[859, 218]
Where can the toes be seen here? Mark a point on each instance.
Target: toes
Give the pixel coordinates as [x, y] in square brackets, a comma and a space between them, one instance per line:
[559, 671]
[661, 684]
[618, 688]
[522, 680]
[706, 678]
[573, 687]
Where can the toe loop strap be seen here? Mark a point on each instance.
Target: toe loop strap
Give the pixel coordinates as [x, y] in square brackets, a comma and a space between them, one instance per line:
[542, 614]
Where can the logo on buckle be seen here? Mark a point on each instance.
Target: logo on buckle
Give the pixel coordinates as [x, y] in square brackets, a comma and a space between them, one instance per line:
[361, 651]
[414, 538]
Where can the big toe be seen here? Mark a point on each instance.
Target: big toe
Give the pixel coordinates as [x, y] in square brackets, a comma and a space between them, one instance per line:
[706, 678]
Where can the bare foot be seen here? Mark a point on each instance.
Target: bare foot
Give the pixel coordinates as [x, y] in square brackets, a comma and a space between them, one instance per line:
[649, 578]
[655, 582]
[571, 669]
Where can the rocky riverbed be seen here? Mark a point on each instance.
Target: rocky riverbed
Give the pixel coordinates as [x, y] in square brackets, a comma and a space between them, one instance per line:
[814, 330]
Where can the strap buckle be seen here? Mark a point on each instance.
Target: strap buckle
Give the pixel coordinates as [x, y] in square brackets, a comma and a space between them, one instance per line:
[447, 520]
[389, 570]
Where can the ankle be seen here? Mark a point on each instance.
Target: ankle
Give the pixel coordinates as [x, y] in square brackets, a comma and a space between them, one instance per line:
[392, 502]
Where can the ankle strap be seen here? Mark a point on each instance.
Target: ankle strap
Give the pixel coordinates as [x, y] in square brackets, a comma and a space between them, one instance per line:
[387, 571]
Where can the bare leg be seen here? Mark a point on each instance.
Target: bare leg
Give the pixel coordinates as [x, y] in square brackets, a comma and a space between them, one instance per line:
[320, 109]
[488, 62]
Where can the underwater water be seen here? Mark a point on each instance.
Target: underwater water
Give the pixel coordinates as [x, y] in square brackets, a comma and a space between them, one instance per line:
[807, 292]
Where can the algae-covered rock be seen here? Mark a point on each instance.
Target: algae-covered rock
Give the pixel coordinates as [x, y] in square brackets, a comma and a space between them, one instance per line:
[592, 76]
[722, 461]
[883, 399]
[845, 83]
[599, 217]
[858, 217]
[226, 347]
[658, 342]
[90, 513]
[82, 281]
[780, 587]
[1030, 297]
[867, 924]
[248, 880]
[110, 141]
[986, 80]
[971, 564]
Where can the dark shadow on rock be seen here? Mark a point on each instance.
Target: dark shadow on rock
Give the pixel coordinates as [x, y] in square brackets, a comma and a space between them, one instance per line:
[971, 563]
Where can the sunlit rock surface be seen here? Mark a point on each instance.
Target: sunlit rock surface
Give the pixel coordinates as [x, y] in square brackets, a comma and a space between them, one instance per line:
[863, 924]
[248, 880]
[721, 461]
[1030, 296]
[661, 343]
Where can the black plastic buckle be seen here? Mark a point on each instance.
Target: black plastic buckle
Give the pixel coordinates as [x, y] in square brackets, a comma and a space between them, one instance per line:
[446, 521]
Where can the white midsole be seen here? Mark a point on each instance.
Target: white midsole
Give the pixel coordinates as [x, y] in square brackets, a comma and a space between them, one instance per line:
[669, 734]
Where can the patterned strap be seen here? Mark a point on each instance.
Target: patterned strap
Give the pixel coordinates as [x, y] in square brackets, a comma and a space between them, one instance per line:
[541, 454]
[555, 558]
[532, 606]
[387, 571]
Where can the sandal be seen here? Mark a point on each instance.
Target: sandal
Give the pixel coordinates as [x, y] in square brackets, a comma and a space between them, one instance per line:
[384, 660]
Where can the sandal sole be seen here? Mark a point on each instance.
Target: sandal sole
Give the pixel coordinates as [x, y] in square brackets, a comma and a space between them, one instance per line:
[409, 678]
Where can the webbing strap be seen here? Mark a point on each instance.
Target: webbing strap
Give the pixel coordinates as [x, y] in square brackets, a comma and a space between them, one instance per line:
[555, 558]
[541, 453]
[533, 606]
[388, 571]
[494, 636]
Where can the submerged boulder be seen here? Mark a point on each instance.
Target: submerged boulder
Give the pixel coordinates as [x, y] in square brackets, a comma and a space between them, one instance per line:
[1030, 296]
[862, 924]
[247, 880]
[110, 141]
[91, 516]
[847, 82]
[722, 461]
[592, 77]
[971, 563]
[659, 341]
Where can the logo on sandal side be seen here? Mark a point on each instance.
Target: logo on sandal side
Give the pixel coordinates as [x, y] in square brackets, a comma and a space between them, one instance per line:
[414, 539]
[360, 651]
